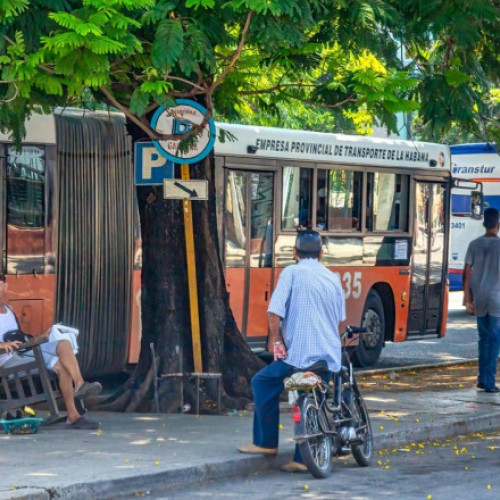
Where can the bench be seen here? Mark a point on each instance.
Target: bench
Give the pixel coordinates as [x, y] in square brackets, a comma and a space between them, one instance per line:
[30, 383]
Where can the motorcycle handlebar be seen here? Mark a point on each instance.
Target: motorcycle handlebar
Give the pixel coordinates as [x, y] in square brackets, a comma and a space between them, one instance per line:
[351, 330]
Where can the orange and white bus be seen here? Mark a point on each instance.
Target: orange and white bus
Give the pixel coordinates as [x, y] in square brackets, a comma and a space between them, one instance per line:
[381, 206]
[70, 232]
[68, 224]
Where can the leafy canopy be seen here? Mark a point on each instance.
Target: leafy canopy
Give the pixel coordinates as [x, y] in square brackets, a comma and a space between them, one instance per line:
[317, 64]
[453, 48]
[320, 64]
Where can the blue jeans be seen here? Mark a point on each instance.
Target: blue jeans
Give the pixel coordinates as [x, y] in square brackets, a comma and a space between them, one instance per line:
[488, 349]
[267, 385]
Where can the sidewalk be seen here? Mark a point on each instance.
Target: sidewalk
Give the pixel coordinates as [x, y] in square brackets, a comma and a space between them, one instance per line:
[145, 452]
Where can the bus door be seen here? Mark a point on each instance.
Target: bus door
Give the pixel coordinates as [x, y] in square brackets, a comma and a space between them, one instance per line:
[428, 262]
[248, 239]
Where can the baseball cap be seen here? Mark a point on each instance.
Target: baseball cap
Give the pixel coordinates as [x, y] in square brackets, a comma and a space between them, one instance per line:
[491, 218]
[308, 241]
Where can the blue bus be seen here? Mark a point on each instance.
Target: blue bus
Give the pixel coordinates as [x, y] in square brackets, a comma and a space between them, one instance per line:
[477, 163]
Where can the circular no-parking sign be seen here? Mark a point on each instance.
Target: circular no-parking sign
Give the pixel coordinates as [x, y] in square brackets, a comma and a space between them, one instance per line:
[179, 120]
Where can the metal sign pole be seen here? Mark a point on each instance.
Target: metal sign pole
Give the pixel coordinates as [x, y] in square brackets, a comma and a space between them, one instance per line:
[191, 272]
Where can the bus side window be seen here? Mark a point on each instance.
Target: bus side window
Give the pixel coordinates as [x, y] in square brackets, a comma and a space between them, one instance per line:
[369, 202]
[322, 200]
[297, 198]
[25, 209]
[387, 204]
[344, 197]
[235, 220]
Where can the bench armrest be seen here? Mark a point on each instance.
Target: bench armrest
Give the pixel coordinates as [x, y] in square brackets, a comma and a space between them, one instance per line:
[29, 345]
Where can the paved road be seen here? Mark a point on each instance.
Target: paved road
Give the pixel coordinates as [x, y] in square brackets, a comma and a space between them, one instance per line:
[466, 468]
[459, 343]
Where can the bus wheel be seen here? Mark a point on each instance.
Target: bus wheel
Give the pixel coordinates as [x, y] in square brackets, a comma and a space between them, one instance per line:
[368, 350]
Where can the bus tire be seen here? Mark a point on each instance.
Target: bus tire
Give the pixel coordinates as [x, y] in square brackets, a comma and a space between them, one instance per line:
[368, 350]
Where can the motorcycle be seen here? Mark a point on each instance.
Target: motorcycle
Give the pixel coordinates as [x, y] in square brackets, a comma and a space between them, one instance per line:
[330, 420]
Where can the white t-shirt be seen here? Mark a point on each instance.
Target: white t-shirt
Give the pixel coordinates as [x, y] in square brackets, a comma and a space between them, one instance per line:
[8, 323]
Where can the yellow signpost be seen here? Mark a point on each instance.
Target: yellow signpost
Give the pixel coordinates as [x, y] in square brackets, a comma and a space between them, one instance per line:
[191, 272]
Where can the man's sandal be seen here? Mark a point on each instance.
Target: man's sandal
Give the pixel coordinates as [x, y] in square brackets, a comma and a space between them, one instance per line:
[84, 424]
[88, 390]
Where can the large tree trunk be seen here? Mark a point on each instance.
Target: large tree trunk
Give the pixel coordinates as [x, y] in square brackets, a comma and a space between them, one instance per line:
[224, 348]
[165, 306]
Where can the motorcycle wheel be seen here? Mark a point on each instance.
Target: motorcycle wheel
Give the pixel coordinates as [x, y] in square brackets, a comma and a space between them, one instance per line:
[316, 450]
[362, 449]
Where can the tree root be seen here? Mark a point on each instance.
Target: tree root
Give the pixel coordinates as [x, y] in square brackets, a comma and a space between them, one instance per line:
[139, 394]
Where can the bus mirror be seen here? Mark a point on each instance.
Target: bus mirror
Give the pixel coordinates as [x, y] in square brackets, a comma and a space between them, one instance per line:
[476, 204]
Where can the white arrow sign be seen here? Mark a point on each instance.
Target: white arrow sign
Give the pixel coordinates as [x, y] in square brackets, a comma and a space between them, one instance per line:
[182, 189]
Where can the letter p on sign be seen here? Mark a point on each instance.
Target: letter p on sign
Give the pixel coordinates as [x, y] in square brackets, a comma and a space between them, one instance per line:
[150, 166]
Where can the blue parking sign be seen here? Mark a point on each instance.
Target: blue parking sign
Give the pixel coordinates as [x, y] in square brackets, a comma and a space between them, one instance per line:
[150, 166]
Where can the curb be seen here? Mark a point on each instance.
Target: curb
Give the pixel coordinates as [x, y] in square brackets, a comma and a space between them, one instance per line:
[167, 480]
[381, 371]
[25, 494]
[430, 432]
[242, 465]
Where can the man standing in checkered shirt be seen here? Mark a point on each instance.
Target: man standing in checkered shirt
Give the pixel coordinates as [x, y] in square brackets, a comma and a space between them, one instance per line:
[304, 315]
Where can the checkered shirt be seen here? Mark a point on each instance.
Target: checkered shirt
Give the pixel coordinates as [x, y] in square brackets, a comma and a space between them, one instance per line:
[310, 301]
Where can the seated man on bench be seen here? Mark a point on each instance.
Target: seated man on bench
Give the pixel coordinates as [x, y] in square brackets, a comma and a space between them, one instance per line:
[58, 356]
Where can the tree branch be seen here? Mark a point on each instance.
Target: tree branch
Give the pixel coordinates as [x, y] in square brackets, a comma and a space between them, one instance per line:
[479, 136]
[278, 86]
[331, 106]
[47, 69]
[144, 126]
[3, 101]
[126, 111]
[448, 53]
[236, 55]
[187, 82]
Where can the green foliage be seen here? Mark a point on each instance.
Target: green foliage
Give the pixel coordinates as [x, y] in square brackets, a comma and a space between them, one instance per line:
[207, 4]
[168, 43]
[139, 102]
[455, 77]
[139, 55]
[455, 60]
[314, 64]
[12, 8]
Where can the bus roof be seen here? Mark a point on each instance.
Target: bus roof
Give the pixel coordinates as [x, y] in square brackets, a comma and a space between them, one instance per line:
[294, 145]
[474, 148]
[476, 162]
[267, 142]
[41, 128]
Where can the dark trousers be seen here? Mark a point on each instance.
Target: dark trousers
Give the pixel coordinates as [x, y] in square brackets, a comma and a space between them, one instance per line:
[488, 349]
[267, 385]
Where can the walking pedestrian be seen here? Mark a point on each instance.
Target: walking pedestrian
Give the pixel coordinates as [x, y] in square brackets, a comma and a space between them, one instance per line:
[481, 280]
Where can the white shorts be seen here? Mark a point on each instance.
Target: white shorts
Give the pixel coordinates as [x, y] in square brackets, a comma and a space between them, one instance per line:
[48, 352]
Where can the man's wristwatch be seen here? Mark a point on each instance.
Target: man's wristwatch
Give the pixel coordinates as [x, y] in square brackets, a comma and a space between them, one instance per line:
[278, 342]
